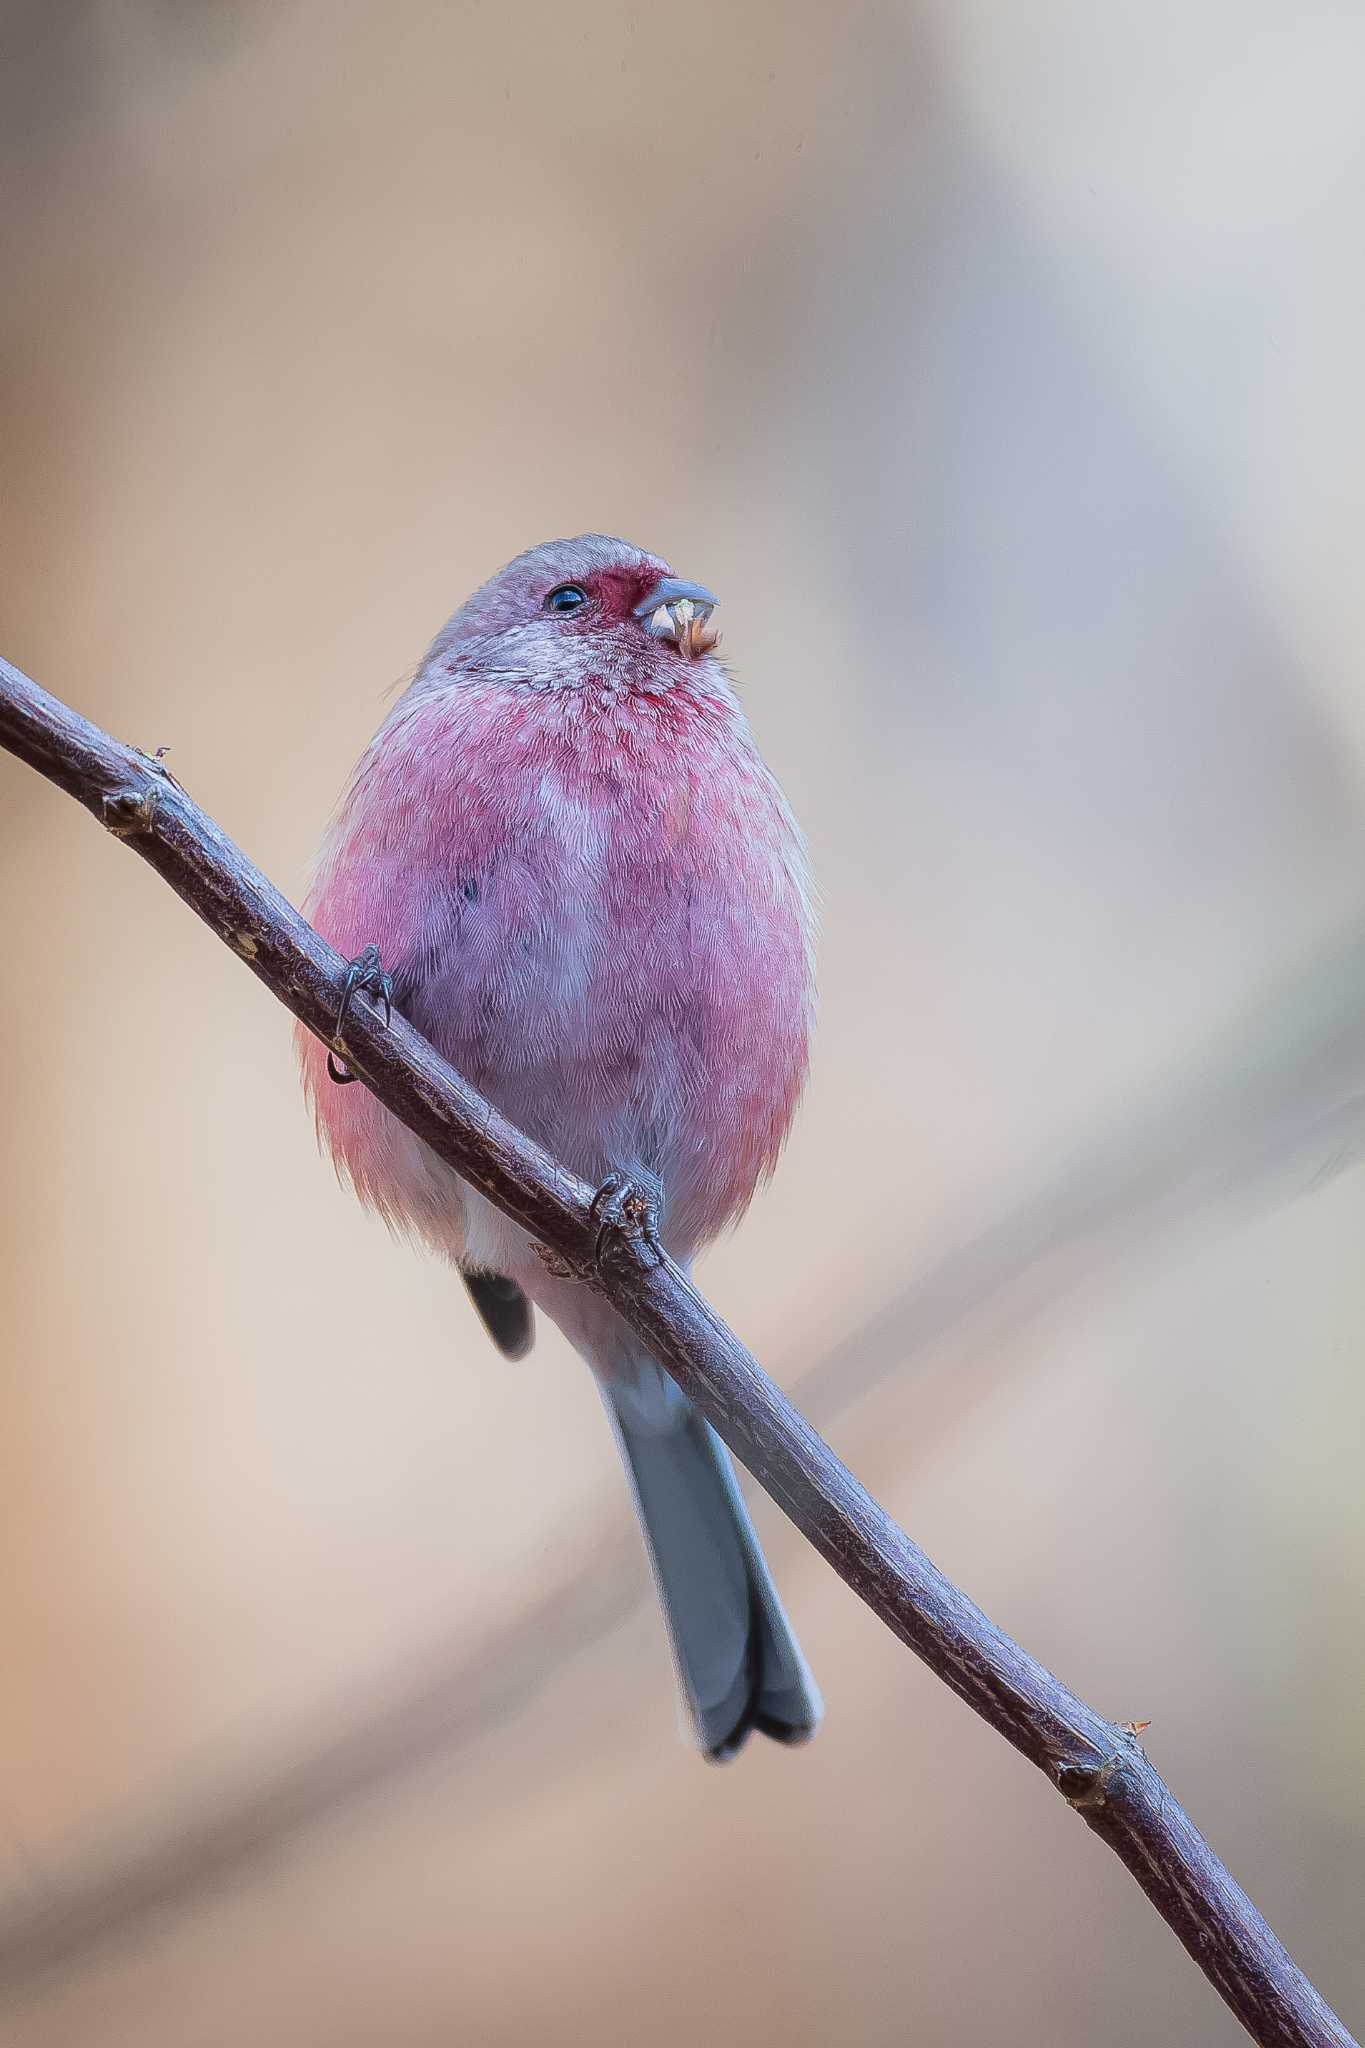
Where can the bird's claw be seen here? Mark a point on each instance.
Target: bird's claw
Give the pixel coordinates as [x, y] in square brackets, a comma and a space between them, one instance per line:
[366, 972]
[622, 1211]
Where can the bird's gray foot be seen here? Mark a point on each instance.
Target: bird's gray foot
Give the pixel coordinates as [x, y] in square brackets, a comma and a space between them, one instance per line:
[366, 972]
[623, 1212]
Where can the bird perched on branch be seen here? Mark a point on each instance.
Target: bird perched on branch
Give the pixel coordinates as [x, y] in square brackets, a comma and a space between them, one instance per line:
[564, 858]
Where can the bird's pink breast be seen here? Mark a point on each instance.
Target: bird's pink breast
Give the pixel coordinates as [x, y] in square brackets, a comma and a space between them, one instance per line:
[595, 904]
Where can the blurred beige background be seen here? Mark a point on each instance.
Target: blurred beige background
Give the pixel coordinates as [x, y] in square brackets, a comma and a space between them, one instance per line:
[1000, 368]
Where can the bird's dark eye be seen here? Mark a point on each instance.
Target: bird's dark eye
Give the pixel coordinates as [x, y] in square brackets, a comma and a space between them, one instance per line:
[567, 598]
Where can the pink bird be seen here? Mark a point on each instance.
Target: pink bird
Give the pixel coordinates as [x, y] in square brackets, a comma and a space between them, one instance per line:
[593, 899]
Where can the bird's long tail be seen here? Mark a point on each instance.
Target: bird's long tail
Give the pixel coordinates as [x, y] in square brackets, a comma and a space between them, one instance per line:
[738, 1661]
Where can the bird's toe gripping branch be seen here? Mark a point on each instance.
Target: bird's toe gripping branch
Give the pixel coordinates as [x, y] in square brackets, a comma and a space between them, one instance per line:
[366, 972]
[624, 1213]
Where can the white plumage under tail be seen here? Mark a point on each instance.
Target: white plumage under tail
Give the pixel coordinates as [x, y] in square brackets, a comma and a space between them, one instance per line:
[738, 1662]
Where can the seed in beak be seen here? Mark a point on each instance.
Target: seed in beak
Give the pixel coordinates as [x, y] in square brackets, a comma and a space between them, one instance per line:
[678, 621]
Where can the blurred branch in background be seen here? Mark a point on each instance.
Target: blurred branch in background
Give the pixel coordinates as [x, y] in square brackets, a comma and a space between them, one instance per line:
[1099, 1768]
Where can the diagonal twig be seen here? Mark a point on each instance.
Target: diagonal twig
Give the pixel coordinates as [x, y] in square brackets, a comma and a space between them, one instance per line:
[1099, 1768]
[1273, 1088]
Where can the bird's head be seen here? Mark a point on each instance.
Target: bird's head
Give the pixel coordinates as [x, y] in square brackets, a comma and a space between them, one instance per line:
[573, 612]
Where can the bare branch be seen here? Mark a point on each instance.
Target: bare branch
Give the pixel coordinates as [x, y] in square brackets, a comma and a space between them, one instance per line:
[1270, 1104]
[1099, 1768]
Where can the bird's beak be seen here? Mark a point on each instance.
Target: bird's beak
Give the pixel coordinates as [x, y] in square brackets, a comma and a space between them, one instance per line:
[679, 612]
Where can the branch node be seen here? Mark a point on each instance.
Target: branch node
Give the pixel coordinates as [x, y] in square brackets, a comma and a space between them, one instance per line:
[1085, 1787]
[126, 812]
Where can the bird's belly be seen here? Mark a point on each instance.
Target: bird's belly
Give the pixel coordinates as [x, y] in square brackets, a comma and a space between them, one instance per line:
[669, 1048]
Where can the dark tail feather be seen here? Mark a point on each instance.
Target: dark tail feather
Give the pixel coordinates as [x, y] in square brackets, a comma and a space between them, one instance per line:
[507, 1314]
[738, 1661]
